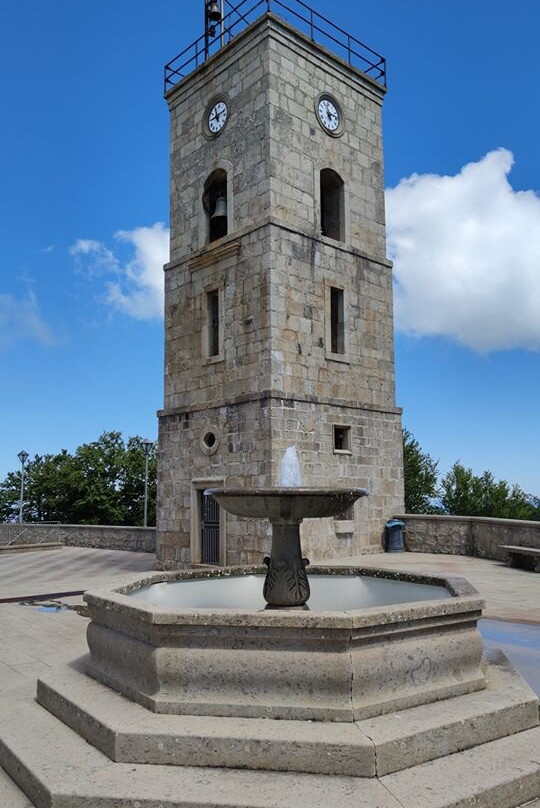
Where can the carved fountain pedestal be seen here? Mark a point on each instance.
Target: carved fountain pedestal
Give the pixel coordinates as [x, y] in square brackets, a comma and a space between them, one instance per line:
[286, 585]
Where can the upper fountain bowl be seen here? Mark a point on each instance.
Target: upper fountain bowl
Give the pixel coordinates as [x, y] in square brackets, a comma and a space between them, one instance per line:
[287, 504]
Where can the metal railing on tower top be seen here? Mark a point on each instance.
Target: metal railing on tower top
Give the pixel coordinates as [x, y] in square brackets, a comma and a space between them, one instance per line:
[310, 22]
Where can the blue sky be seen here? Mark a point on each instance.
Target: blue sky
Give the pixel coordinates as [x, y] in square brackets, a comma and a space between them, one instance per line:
[84, 188]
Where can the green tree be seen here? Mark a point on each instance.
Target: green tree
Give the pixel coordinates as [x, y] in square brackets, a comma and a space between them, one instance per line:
[420, 474]
[535, 508]
[9, 497]
[101, 483]
[131, 488]
[466, 494]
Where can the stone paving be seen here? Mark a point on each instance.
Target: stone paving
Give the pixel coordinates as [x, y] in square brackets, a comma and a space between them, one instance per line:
[69, 569]
[33, 641]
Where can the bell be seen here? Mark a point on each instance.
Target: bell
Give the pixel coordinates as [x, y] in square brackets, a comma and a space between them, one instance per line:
[220, 211]
[214, 11]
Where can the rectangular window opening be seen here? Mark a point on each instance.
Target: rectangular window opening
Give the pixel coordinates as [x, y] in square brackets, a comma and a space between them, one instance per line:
[332, 191]
[212, 311]
[337, 321]
[342, 438]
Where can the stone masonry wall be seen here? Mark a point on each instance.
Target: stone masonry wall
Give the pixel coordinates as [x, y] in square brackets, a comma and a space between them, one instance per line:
[302, 363]
[299, 148]
[106, 537]
[241, 71]
[191, 379]
[467, 535]
[251, 440]
[240, 456]
[371, 463]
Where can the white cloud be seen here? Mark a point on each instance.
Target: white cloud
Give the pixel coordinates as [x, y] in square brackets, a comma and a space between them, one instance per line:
[20, 318]
[138, 286]
[85, 246]
[466, 252]
[94, 257]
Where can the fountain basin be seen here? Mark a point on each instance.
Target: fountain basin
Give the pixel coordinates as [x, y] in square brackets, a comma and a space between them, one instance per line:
[339, 665]
[287, 505]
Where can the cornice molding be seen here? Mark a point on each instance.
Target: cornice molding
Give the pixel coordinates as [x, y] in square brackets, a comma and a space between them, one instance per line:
[213, 255]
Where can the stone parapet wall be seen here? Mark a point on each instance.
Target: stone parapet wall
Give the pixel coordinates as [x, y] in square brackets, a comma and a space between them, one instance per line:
[106, 537]
[467, 535]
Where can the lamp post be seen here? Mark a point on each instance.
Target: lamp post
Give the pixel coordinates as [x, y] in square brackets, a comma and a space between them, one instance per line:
[147, 447]
[23, 457]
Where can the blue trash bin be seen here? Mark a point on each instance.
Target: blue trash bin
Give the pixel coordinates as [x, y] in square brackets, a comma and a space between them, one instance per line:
[394, 536]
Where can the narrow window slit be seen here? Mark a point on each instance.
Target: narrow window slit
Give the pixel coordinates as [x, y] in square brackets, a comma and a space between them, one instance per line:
[332, 205]
[337, 321]
[212, 308]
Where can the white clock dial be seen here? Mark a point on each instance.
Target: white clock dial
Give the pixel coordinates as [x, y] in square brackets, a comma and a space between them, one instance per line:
[217, 117]
[329, 114]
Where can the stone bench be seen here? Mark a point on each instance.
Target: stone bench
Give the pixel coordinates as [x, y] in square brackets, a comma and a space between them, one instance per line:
[525, 557]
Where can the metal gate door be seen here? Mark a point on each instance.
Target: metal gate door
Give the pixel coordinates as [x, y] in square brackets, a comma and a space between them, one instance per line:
[209, 529]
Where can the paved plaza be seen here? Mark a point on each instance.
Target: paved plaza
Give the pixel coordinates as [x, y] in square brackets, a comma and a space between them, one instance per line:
[69, 569]
[33, 640]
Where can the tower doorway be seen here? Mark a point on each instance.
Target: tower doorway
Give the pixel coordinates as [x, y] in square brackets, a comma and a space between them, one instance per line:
[210, 549]
[208, 535]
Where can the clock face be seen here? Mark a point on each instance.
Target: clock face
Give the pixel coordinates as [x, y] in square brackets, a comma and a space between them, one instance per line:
[217, 117]
[329, 114]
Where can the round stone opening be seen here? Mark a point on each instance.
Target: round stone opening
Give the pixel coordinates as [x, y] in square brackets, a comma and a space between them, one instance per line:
[209, 440]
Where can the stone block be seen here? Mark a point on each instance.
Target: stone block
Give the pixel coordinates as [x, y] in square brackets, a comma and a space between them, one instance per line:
[11, 795]
[408, 738]
[500, 774]
[126, 732]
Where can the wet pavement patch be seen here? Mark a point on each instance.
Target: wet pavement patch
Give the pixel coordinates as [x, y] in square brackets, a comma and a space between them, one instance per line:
[56, 606]
[521, 644]
[45, 606]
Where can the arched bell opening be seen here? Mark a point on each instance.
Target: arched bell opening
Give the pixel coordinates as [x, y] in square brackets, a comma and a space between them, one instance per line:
[215, 204]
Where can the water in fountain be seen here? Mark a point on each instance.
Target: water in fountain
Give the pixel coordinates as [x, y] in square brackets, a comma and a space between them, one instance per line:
[328, 593]
[290, 475]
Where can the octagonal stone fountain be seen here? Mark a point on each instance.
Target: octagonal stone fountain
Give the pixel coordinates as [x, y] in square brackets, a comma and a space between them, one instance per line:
[201, 643]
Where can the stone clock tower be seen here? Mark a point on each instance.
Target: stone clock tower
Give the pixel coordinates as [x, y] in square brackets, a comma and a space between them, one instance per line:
[278, 297]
